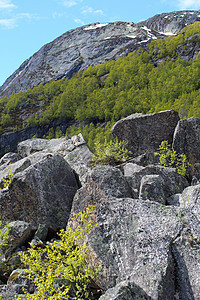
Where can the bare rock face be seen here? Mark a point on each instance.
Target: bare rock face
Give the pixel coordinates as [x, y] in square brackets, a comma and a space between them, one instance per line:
[41, 194]
[171, 23]
[144, 133]
[78, 49]
[187, 141]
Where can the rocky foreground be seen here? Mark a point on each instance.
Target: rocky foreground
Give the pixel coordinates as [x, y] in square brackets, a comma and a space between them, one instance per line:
[147, 236]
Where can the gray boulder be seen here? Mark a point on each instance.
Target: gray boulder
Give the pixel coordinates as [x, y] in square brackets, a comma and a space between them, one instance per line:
[103, 182]
[20, 233]
[190, 200]
[75, 151]
[187, 141]
[41, 194]
[9, 157]
[172, 182]
[124, 291]
[132, 241]
[152, 188]
[18, 281]
[186, 254]
[144, 133]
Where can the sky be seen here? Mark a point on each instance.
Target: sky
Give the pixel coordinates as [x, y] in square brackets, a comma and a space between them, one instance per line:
[27, 25]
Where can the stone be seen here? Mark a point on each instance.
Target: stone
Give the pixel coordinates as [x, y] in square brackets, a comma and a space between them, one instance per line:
[132, 241]
[80, 160]
[42, 193]
[152, 188]
[9, 157]
[103, 182]
[42, 232]
[144, 133]
[186, 253]
[187, 141]
[124, 291]
[173, 182]
[7, 170]
[18, 280]
[20, 233]
[190, 200]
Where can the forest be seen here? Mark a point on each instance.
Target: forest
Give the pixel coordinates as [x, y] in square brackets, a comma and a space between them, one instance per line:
[146, 81]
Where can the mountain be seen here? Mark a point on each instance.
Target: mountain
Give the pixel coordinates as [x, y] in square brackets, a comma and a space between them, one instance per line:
[171, 23]
[91, 45]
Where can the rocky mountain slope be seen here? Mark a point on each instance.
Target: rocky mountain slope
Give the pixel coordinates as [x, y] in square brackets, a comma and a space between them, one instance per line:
[91, 45]
[147, 233]
[171, 23]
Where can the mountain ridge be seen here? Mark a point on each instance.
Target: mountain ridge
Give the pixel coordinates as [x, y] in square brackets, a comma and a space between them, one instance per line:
[91, 45]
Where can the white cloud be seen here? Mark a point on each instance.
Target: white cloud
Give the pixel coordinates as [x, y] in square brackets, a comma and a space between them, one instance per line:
[8, 23]
[6, 4]
[90, 10]
[189, 4]
[70, 3]
[79, 21]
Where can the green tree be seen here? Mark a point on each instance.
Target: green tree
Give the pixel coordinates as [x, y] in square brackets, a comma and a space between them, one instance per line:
[61, 268]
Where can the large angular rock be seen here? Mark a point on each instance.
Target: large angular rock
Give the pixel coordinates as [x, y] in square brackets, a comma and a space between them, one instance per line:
[124, 291]
[75, 151]
[132, 241]
[186, 254]
[41, 194]
[169, 179]
[190, 200]
[144, 133]
[19, 234]
[187, 141]
[152, 188]
[103, 182]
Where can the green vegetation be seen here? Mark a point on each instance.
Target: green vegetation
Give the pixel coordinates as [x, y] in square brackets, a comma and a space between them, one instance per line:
[110, 152]
[145, 81]
[60, 269]
[169, 158]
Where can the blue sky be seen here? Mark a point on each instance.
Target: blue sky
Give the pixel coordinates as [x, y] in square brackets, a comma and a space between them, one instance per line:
[26, 25]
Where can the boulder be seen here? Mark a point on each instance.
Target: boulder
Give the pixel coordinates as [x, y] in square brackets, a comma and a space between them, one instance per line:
[187, 140]
[190, 200]
[124, 291]
[103, 182]
[80, 160]
[41, 194]
[172, 182]
[144, 133]
[9, 157]
[75, 151]
[18, 281]
[20, 233]
[186, 254]
[132, 241]
[152, 188]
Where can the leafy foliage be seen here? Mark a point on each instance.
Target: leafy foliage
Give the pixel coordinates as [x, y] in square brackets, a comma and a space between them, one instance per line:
[111, 152]
[145, 81]
[61, 268]
[169, 158]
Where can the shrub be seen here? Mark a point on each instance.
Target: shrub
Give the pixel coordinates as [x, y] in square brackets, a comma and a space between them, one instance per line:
[111, 152]
[61, 269]
[169, 158]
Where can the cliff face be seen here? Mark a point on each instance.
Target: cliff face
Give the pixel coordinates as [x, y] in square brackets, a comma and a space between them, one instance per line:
[91, 45]
[171, 23]
[78, 49]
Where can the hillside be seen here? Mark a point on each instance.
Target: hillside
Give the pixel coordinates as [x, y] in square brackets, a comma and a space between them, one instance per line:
[163, 75]
[92, 44]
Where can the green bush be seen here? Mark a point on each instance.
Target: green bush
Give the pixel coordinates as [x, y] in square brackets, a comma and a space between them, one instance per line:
[169, 158]
[111, 152]
[61, 269]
